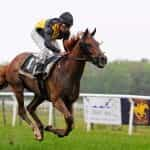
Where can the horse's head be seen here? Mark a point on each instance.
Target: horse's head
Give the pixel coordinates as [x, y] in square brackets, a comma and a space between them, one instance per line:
[91, 49]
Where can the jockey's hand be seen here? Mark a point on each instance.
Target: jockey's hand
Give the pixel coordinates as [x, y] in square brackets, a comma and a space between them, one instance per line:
[64, 53]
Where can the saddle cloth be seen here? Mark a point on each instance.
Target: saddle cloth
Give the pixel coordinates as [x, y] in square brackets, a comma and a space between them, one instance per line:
[29, 65]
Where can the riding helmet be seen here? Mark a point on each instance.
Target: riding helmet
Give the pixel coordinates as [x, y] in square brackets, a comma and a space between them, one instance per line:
[66, 18]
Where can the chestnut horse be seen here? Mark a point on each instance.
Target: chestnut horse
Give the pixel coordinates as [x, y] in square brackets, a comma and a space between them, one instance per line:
[62, 84]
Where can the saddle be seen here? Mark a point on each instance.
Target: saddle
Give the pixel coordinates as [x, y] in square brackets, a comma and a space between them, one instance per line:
[30, 64]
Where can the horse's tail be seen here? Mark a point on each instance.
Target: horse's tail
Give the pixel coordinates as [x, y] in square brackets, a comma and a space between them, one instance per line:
[3, 81]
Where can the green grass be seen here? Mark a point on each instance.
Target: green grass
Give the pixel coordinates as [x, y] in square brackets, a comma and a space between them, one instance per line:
[101, 138]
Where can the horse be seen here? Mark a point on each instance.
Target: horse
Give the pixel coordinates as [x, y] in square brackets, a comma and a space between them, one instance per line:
[62, 85]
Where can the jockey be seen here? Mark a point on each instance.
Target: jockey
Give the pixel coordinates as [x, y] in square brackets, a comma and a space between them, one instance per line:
[46, 33]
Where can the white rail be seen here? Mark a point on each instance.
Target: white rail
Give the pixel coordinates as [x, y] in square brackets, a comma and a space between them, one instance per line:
[130, 97]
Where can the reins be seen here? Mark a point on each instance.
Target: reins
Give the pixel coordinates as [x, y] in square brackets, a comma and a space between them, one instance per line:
[77, 58]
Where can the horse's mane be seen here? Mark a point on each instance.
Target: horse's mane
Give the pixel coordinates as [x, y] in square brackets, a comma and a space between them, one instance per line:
[71, 42]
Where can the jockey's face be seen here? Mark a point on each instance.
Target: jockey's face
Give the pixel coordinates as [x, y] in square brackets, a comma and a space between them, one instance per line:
[64, 28]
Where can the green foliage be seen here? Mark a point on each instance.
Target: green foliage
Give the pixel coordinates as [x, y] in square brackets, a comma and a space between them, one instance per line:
[120, 77]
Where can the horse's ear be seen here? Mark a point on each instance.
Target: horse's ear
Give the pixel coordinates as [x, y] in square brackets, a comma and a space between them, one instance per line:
[85, 33]
[93, 33]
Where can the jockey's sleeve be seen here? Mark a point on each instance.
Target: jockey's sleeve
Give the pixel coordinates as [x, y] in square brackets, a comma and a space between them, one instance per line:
[48, 40]
[49, 45]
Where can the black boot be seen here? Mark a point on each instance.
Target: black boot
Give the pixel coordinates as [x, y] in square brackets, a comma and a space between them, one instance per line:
[42, 88]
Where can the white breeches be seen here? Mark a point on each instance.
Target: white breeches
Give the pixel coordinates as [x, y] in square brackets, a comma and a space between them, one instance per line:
[44, 52]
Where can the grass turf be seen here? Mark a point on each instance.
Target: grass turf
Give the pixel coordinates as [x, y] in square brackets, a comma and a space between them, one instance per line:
[104, 138]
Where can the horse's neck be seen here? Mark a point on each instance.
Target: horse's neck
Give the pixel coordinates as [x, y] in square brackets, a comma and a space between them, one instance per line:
[76, 67]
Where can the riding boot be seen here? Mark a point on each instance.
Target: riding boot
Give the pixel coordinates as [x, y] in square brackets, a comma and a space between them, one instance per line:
[42, 88]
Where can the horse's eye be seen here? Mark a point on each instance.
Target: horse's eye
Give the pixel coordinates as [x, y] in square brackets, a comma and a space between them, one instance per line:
[88, 45]
[87, 49]
[85, 46]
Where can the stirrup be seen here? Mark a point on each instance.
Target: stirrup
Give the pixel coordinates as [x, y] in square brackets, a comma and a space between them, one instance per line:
[41, 75]
[36, 73]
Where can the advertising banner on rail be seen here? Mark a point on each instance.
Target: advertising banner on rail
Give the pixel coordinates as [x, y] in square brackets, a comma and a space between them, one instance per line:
[102, 110]
[115, 111]
[141, 111]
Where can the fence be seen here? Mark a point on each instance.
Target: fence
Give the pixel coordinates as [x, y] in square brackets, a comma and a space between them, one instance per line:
[84, 96]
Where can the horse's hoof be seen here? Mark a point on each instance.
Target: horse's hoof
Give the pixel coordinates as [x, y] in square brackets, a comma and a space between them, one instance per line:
[60, 135]
[39, 139]
[38, 134]
[48, 128]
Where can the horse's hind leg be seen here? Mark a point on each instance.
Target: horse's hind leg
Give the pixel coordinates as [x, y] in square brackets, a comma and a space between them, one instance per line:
[59, 104]
[37, 100]
[21, 109]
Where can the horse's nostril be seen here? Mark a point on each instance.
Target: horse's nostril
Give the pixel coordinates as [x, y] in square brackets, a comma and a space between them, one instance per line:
[103, 60]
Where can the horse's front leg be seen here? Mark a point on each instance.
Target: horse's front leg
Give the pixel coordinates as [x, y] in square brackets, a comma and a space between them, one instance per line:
[38, 130]
[70, 125]
[60, 105]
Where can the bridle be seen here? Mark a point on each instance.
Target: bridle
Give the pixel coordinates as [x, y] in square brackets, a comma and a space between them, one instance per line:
[77, 58]
[80, 58]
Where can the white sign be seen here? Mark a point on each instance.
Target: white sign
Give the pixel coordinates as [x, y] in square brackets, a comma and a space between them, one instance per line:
[104, 110]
